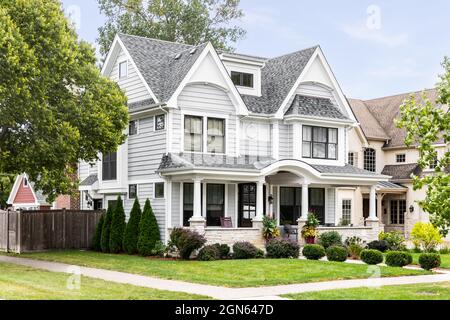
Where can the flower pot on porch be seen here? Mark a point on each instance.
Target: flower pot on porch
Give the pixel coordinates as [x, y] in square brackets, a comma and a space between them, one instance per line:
[310, 240]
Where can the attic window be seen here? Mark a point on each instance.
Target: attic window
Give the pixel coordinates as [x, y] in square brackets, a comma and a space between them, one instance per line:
[242, 79]
[401, 158]
[25, 182]
[123, 69]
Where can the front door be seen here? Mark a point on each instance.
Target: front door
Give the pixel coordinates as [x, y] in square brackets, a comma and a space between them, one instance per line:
[247, 205]
[317, 203]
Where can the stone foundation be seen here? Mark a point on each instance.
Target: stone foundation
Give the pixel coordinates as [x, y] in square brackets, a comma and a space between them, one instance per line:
[367, 234]
[230, 236]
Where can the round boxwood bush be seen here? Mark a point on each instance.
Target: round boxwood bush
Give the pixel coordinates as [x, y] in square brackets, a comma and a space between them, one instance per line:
[313, 251]
[282, 248]
[224, 250]
[380, 245]
[337, 253]
[331, 238]
[244, 250]
[209, 253]
[398, 258]
[371, 256]
[429, 261]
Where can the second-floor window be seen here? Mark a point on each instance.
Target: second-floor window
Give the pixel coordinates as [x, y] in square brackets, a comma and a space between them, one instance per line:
[216, 135]
[109, 166]
[319, 143]
[370, 163]
[133, 128]
[193, 134]
[401, 158]
[242, 79]
[123, 69]
[353, 159]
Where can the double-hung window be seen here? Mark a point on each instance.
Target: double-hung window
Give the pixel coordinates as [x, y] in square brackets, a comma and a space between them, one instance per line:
[242, 79]
[216, 135]
[193, 134]
[346, 212]
[109, 166]
[398, 209]
[319, 143]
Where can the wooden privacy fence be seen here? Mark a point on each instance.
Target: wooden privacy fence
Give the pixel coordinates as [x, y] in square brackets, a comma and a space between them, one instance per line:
[25, 231]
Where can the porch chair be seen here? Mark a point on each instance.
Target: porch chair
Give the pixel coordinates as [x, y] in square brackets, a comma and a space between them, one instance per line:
[226, 222]
[291, 230]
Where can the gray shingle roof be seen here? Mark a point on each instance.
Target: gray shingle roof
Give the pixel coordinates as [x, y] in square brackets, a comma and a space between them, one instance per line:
[156, 61]
[141, 105]
[315, 107]
[402, 171]
[277, 79]
[390, 185]
[90, 180]
[174, 161]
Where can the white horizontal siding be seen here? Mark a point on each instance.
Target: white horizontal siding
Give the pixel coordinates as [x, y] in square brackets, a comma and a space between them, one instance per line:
[331, 206]
[286, 141]
[255, 138]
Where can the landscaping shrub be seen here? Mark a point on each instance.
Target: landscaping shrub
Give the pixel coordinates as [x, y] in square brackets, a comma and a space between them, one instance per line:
[313, 251]
[282, 248]
[244, 250]
[106, 230]
[372, 256]
[380, 245]
[259, 254]
[159, 250]
[425, 236]
[445, 250]
[130, 238]
[429, 261]
[148, 231]
[270, 228]
[186, 241]
[331, 238]
[117, 227]
[398, 258]
[354, 251]
[224, 250]
[395, 240]
[97, 239]
[355, 240]
[336, 253]
[209, 253]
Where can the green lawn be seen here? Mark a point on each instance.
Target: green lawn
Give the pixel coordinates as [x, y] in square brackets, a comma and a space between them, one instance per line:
[432, 291]
[445, 260]
[25, 283]
[229, 273]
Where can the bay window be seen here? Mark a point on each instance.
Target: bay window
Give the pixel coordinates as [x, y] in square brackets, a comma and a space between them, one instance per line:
[319, 142]
[196, 141]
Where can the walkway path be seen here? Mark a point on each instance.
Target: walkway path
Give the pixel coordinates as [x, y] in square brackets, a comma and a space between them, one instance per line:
[259, 293]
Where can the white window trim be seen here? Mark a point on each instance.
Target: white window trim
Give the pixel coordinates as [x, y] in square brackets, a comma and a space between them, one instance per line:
[400, 154]
[138, 124]
[165, 122]
[154, 190]
[118, 71]
[351, 208]
[27, 185]
[205, 131]
[137, 191]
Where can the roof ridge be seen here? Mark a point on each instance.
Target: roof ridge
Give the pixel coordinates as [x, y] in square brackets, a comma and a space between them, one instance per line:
[155, 39]
[294, 52]
[398, 94]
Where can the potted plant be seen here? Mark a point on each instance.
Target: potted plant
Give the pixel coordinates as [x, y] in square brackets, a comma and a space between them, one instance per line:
[309, 230]
[270, 228]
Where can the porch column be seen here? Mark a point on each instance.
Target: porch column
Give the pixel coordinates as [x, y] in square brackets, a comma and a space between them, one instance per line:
[305, 203]
[257, 221]
[197, 220]
[372, 205]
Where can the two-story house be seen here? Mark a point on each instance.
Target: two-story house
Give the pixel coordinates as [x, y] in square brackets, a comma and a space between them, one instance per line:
[215, 135]
[383, 151]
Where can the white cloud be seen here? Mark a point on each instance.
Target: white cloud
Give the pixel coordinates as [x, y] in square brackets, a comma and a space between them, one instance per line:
[361, 32]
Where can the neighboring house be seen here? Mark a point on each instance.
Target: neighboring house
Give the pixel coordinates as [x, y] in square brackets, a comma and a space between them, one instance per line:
[24, 196]
[215, 134]
[383, 151]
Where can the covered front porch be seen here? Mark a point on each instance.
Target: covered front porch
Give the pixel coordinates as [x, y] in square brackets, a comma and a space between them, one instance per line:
[229, 205]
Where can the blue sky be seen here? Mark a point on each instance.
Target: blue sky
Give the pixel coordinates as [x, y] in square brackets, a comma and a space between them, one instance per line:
[375, 48]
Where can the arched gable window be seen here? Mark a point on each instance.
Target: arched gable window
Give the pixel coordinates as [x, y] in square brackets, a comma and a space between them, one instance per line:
[370, 163]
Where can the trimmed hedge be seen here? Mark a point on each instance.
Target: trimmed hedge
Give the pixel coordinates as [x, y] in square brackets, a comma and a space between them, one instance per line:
[282, 248]
[313, 251]
[148, 231]
[329, 239]
[224, 250]
[398, 258]
[106, 230]
[380, 245]
[117, 227]
[429, 261]
[371, 256]
[97, 239]
[337, 253]
[130, 238]
[244, 250]
[209, 253]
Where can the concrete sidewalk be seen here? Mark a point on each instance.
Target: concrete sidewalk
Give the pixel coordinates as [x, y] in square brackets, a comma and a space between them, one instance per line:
[258, 293]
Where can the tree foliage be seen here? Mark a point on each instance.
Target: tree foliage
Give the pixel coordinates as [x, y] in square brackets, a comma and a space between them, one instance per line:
[117, 227]
[97, 239]
[148, 231]
[106, 230]
[427, 123]
[6, 184]
[186, 21]
[55, 106]
[130, 238]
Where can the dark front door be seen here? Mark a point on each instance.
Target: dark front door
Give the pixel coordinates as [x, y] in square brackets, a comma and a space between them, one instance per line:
[366, 206]
[247, 205]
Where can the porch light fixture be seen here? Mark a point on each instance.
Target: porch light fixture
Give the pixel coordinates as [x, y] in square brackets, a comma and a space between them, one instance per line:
[270, 199]
[411, 208]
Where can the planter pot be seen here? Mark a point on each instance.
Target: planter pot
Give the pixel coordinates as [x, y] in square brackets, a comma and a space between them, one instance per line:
[310, 240]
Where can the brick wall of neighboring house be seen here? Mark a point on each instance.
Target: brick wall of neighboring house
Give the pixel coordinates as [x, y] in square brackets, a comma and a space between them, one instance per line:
[24, 194]
[70, 202]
